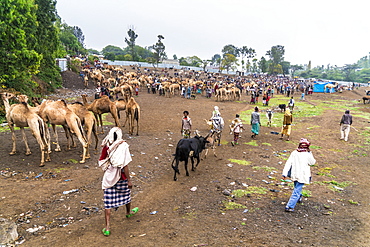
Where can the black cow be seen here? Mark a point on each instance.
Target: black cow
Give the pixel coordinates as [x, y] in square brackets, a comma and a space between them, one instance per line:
[282, 107]
[188, 148]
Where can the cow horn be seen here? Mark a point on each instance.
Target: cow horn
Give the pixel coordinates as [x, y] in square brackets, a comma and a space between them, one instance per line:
[197, 133]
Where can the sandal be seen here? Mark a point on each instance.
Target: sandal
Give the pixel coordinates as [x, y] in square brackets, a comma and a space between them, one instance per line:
[105, 232]
[134, 211]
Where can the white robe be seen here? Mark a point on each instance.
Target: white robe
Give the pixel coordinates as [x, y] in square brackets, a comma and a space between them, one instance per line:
[299, 163]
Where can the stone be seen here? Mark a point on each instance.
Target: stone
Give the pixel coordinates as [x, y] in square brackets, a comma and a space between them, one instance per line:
[8, 231]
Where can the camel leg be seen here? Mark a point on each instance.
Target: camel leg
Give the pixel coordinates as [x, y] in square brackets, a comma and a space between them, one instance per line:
[14, 149]
[137, 127]
[100, 121]
[24, 137]
[57, 149]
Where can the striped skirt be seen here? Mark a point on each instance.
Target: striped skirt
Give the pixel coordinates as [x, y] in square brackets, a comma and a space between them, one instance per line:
[118, 195]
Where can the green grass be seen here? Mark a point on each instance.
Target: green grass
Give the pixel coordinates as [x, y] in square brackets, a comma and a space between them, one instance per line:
[240, 162]
[267, 144]
[249, 190]
[252, 143]
[232, 205]
[306, 193]
[266, 168]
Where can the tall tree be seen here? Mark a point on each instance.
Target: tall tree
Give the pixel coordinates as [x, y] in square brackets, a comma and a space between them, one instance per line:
[131, 43]
[263, 65]
[230, 49]
[216, 60]
[70, 41]
[276, 55]
[77, 32]
[48, 42]
[158, 51]
[18, 24]
[294, 68]
[349, 70]
[228, 62]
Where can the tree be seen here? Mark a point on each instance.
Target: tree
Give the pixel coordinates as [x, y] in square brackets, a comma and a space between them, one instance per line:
[158, 51]
[276, 54]
[174, 56]
[309, 65]
[77, 32]
[204, 63]
[92, 51]
[70, 41]
[285, 67]
[216, 60]
[243, 51]
[113, 49]
[228, 62]
[348, 70]
[230, 49]
[131, 43]
[294, 68]
[363, 75]
[191, 61]
[48, 43]
[254, 65]
[262, 65]
[109, 56]
[18, 25]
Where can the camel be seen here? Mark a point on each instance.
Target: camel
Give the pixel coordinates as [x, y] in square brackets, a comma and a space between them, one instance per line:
[132, 114]
[173, 87]
[21, 116]
[101, 106]
[86, 81]
[121, 106]
[57, 113]
[330, 86]
[88, 121]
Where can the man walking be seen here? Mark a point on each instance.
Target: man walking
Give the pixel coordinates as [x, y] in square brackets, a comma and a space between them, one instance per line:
[345, 125]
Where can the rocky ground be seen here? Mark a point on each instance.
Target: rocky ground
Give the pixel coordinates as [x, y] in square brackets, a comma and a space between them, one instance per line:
[238, 198]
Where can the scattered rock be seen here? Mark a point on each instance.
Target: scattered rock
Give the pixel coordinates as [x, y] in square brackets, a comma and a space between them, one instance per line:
[8, 231]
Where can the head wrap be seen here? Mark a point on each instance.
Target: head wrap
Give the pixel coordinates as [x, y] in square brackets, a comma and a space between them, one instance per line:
[109, 139]
[256, 108]
[346, 112]
[287, 112]
[304, 145]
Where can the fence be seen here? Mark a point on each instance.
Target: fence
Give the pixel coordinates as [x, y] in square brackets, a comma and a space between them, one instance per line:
[160, 65]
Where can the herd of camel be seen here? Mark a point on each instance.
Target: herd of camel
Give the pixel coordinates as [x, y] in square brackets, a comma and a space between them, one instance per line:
[80, 119]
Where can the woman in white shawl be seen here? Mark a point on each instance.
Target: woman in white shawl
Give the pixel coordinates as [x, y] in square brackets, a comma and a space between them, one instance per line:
[116, 183]
[297, 168]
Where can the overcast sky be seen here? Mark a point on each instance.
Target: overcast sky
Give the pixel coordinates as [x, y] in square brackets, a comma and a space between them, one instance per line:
[332, 32]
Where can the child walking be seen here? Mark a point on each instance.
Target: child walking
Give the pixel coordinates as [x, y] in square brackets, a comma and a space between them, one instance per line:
[236, 127]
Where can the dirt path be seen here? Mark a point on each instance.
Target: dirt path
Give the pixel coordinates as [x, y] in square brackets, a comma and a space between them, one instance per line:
[186, 218]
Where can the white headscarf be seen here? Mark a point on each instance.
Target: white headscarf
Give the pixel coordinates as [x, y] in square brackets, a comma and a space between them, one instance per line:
[118, 157]
[109, 139]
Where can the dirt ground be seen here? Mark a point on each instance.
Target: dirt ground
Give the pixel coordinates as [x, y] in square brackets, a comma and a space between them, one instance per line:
[33, 196]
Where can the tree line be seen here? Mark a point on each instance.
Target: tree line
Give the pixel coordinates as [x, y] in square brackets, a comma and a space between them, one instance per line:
[32, 36]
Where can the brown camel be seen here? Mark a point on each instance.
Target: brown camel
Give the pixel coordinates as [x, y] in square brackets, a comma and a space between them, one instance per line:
[132, 114]
[121, 106]
[100, 106]
[57, 113]
[88, 121]
[21, 116]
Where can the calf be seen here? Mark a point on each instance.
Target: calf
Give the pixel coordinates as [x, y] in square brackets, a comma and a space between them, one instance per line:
[366, 99]
[188, 148]
[282, 107]
[211, 143]
[269, 117]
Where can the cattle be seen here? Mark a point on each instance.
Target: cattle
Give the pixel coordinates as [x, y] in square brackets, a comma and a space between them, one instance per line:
[269, 115]
[211, 139]
[188, 148]
[282, 107]
[366, 99]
